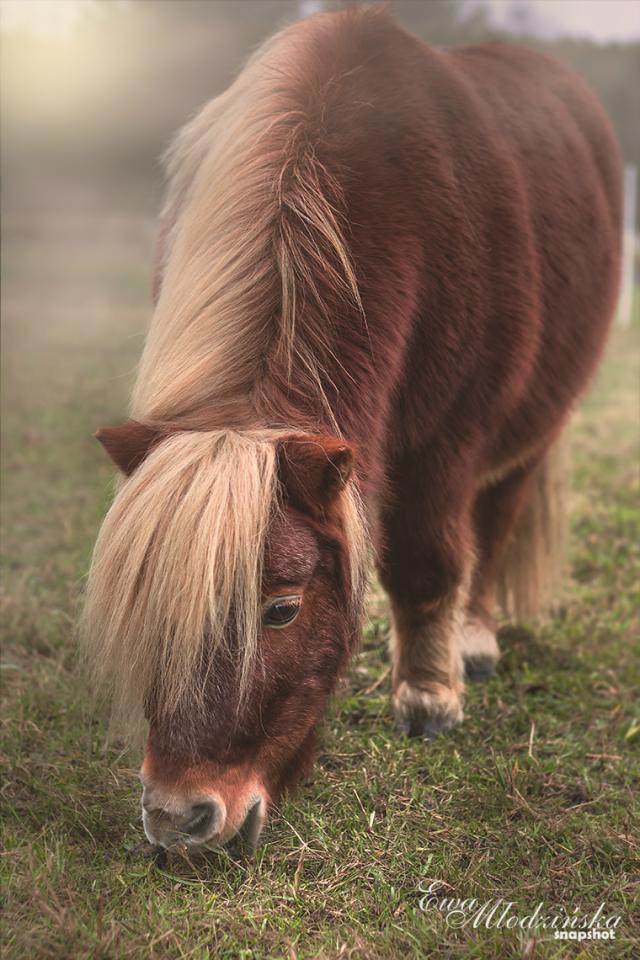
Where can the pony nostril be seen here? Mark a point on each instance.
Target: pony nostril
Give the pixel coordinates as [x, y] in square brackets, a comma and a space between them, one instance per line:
[205, 819]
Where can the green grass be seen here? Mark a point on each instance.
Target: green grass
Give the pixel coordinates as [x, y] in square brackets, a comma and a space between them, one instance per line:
[532, 799]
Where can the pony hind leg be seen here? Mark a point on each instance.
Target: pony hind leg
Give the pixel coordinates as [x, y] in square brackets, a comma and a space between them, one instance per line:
[501, 518]
[425, 566]
[495, 512]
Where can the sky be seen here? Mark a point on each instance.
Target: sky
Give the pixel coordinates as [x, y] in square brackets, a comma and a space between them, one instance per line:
[46, 18]
[599, 20]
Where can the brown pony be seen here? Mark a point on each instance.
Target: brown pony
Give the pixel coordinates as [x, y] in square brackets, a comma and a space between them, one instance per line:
[384, 274]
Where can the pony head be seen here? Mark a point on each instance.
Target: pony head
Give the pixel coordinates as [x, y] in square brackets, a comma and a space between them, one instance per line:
[223, 600]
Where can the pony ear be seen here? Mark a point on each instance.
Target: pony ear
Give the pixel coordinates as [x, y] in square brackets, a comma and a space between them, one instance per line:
[128, 444]
[313, 470]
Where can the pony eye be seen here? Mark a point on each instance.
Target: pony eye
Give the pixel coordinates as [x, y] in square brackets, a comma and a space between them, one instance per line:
[281, 611]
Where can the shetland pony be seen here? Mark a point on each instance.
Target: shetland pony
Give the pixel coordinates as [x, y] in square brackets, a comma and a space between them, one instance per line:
[384, 274]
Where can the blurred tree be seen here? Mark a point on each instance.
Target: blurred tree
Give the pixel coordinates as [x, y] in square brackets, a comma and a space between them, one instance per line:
[612, 70]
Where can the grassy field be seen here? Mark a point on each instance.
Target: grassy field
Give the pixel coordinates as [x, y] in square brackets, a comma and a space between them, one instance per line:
[532, 799]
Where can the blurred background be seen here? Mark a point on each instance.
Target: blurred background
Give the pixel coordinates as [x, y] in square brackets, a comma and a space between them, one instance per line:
[92, 92]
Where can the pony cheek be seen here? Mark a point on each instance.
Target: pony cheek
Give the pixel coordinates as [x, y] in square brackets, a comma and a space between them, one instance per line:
[287, 754]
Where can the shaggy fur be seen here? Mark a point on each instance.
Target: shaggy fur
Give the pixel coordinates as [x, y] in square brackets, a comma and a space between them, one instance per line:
[405, 252]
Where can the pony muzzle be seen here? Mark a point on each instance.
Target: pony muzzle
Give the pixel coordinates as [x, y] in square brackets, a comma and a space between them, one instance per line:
[174, 818]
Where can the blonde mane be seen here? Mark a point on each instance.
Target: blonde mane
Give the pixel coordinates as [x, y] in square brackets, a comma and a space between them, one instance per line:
[180, 550]
[252, 217]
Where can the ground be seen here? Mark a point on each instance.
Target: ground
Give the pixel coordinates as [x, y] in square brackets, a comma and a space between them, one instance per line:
[532, 799]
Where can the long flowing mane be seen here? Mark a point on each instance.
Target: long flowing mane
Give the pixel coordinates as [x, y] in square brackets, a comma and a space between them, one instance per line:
[253, 235]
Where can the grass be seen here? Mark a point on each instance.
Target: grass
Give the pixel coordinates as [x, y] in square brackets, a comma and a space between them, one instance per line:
[532, 799]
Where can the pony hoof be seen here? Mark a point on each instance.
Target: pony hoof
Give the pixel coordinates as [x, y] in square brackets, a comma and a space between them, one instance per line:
[479, 668]
[426, 714]
[423, 728]
[479, 650]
